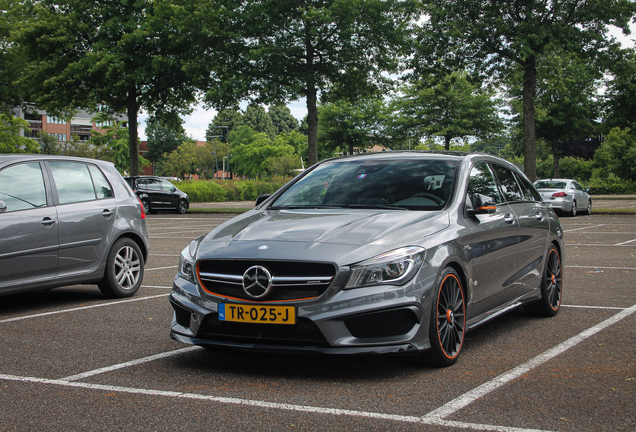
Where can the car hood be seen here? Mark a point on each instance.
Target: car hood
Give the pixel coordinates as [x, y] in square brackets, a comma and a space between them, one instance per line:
[337, 226]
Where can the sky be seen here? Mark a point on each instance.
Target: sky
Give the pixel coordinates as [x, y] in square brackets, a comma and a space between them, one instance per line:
[196, 123]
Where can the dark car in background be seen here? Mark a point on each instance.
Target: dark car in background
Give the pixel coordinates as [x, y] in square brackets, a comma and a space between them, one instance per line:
[156, 193]
[67, 221]
[384, 253]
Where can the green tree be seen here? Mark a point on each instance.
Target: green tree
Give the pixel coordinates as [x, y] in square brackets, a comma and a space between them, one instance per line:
[289, 49]
[251, 159]
[449, 108]
[11, 58]
[493, 34]
[617, 155]
[223, 122]
[257, 118]
[50, 145]
[164, 136]
[621, 91]
[297, 140]
[125, 55]
[10, 139]
[566, 101]
[350, 126]
[285, 165]
[112, 144]
[282, 119]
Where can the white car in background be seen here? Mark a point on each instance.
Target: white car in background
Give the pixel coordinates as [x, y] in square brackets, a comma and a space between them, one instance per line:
[565, 196]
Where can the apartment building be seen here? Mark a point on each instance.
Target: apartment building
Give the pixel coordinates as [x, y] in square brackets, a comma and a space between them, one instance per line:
[81, 125]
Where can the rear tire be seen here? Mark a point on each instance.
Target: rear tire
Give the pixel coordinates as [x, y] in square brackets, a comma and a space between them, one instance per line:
[124, 270]
[551, 287]
[573, 211]
[448, 322]
[144, 202]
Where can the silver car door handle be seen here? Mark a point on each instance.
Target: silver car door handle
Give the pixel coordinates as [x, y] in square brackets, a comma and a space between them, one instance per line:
[107, 213]
[539, 216]
[47, 222]
[509, 218]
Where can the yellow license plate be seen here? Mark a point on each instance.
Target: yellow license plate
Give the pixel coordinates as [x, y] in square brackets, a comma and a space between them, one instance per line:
[257, 314]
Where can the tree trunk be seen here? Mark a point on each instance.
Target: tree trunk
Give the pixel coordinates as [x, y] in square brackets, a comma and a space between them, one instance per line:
[529, 139]
[555, 156]
[312, 123]
[447, 140]
[133, 138]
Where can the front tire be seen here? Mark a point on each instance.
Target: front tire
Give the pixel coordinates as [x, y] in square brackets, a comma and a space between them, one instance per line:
[124, 270]
[589, 207]
[448, 322]
[183, 207]
[551, 287]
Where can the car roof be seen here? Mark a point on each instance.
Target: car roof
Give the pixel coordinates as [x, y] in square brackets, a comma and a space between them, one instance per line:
[8, 158]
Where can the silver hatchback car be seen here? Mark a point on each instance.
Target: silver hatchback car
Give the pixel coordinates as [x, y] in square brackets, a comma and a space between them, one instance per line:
[396, 252]
[66, 221]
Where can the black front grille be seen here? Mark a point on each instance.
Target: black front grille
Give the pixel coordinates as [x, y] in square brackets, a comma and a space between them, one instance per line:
[303, 333]
[291, 280]
[382, 324]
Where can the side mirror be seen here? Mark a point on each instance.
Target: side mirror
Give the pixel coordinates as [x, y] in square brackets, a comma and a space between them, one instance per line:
[260, 199]
[3, 207]
[587, 190]
[482, 204]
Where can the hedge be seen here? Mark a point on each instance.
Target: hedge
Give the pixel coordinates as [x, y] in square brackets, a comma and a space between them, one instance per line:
[227, 190]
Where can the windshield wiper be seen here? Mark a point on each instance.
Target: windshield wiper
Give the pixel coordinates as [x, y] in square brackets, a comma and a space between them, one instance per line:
[306, 206]
[376, 206]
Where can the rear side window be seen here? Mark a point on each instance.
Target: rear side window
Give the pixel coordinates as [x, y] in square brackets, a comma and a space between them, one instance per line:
[482, 182]
[22, 187]
[73, 182]
[103, 189]
[529, 192]
[508, 183]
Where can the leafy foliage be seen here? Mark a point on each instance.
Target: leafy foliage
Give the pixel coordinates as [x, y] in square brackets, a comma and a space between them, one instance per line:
[10, 139]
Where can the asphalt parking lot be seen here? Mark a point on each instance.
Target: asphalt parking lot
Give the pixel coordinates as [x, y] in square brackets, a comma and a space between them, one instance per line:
[74, 360]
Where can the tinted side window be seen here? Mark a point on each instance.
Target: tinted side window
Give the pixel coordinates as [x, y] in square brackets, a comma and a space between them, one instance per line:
[73, 182]
[103, 189]
[482, 182]
[22, 187]
[153, 184]
[529, 192]
[508, 183]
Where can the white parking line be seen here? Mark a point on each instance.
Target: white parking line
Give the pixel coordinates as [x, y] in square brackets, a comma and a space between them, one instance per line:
[435, 417]
[585, 227]
[600, 267]
[468, 398]
[268, 405]
[130, 363]
[624, 243]
[594, 307]
[118, 302]
[156, 286]
[160, 268]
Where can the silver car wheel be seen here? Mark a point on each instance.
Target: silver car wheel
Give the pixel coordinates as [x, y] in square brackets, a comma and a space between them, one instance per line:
[124, 270]
[127, 267]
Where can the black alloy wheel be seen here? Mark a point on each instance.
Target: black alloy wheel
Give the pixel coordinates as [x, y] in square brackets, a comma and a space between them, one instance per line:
[551, 286]
[183, 207]
[146, 205]
[448, 322]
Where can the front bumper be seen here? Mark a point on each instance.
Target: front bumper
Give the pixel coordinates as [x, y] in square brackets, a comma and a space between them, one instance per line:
[374, 320]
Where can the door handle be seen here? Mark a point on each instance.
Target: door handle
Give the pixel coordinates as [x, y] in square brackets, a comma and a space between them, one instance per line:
[539, 216]
[107, 213]
[48, 222]
[509, 218]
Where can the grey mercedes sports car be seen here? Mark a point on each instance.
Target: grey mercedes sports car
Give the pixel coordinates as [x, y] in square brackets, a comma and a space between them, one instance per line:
[393, 252]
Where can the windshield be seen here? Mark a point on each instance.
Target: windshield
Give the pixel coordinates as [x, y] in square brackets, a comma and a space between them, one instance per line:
[546, 184]
[401, 184]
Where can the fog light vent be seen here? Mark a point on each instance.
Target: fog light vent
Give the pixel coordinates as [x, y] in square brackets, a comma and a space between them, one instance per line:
[382, 324]
[182, 314]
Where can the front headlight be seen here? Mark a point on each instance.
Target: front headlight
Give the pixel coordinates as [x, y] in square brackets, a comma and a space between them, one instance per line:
[186, 261]
[392, 268]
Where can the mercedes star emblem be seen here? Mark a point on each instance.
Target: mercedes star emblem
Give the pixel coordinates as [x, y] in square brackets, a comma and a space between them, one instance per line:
[257, 282]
